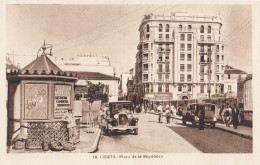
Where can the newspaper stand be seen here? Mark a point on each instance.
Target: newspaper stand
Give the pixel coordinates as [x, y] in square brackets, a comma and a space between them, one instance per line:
[38, 97]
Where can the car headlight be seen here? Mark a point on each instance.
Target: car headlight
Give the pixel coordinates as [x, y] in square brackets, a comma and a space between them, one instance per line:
[116, 116]
[214, 119]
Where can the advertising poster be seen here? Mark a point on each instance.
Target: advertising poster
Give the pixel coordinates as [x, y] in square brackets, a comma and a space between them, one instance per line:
[61, 100]
[35, 101]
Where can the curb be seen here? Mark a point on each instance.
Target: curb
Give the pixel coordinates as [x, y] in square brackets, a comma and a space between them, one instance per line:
[222, 129]
[235, 133]
[94, 147]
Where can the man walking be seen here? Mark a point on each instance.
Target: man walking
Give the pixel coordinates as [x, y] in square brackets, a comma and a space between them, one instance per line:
[235, 116]
[201, 118]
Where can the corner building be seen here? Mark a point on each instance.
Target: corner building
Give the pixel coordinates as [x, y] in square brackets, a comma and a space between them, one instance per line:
[179, 57]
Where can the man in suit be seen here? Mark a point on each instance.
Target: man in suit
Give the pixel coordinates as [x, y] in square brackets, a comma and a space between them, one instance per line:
[201, 118]
[235, 113]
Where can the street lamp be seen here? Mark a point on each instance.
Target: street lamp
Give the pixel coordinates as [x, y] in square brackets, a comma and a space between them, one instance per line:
[43, 48]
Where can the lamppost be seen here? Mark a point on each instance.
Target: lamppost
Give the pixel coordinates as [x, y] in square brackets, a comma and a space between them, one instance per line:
[43, 48]
[209, 72]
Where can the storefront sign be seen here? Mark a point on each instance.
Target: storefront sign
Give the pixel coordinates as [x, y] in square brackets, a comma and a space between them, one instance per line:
[35, 101]
[61, 100]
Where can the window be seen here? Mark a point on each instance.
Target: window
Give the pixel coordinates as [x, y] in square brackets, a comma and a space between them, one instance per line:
[209, 29]
[167, 47]
[145, 77]
[189, 78]
[167, 36]
[166, 87]
[188, 57]
[189, 67]
[217, 68]
[222, 57]
[222, 47]
[145, 57]
[182, 77]
[202, 48]
[189, 37]
[217, 77]
[189, 27]
[202, 58]
[147, 28]
[209, 38]
[201, 38]
[160, 27]
[151, 46]
[201, 69]
[182, 37]
[145, 46]
[160, 76]
[189, 47]
[201, 88]
[160, 67]
[151, 56]
[179, 88]
[166, 57]
[228, 76]
[147, 36]
[167, 77]
[145, 67]
[182, 47]
[160, 46]
[202, 29]
[151, 67]
[189, 88]
[182, 67]
[159, 88]
[180, 27]
[151, 87]
[209, 48]
[222, 67]
[217, 58]
[147, 88]
[167, 67]
[160, 57]
[167, 28]
[229, 87]
[160, 36]
[182, 57]
[217, 48]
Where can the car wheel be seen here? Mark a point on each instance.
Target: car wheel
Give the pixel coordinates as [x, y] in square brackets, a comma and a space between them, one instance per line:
[109, 132]
[212, 125]
[193, 124]
[136, 131]
[183, 121]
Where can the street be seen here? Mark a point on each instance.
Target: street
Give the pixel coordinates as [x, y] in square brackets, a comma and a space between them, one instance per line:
[173, 138]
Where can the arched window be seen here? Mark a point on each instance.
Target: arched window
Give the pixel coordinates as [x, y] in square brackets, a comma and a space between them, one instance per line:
[209, 29]
[147, 28]
[180, 27]
[160, 27]
[167, 28]
[202, 29]
[189, 27]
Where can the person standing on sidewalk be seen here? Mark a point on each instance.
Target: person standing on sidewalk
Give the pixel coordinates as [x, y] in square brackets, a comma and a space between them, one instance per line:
[160, 111]
[168, 115]
[201, 118]
[235, 113]
[71, 126]
[173, 111]
[221, 113]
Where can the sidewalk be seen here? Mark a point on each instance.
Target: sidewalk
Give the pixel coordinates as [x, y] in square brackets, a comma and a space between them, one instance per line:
[88, 144]
[242, 131]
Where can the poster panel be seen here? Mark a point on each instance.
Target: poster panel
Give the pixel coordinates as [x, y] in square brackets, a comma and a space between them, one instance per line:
[62, 100]
[36, 101]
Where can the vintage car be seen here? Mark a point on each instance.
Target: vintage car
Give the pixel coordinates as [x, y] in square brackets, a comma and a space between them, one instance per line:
[192, 114]
[121, 118]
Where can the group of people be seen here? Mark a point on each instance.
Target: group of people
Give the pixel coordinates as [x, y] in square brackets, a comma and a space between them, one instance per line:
[230, 114]
[170, 112]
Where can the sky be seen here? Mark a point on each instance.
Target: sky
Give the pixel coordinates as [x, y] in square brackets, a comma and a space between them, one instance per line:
[112, 30]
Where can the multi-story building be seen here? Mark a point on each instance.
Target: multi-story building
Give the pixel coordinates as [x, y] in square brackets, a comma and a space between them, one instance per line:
[179, 57]
[123, 84]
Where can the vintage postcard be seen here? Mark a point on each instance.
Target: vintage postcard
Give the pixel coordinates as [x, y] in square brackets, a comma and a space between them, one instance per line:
[130, 82]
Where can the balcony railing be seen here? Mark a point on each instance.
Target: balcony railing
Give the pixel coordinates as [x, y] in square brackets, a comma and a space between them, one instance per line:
[164, 40]
[146, 49]
[182, 49]
[189, 49]
[189, 70]
[206, 41]
[188, 59]
[145, 69]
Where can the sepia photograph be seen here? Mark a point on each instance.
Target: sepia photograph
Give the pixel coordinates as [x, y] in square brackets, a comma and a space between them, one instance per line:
[127, 79]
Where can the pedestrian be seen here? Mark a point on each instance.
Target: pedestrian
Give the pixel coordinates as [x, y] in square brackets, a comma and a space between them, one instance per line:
[235, 113]
[168, 115]
[201, 118]
[221, 113]
[227, 115]
[174, 111]
[71, 126]
[143, 108]
[102, 114]
[160, 111]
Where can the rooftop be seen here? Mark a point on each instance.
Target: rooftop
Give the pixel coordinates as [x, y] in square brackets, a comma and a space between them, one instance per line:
[232, 70]
[93, 76]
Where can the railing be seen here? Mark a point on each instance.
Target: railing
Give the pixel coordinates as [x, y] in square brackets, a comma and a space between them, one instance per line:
[145, 69]
[189, 49]
[182, 49]
[146, 49]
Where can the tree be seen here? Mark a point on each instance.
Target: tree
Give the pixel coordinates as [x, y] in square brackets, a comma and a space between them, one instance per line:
[96, 92]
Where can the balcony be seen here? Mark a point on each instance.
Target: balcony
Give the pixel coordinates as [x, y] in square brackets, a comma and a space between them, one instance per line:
[206, 41]
[205, 61]
[164, 40]
[145, 49]
[203, 52]
[145, 69]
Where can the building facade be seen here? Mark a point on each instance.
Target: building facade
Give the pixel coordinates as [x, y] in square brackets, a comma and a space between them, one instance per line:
[179, 57]
[123, 84]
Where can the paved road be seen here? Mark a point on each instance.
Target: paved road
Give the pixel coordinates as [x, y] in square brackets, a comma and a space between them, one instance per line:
[173, 138]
